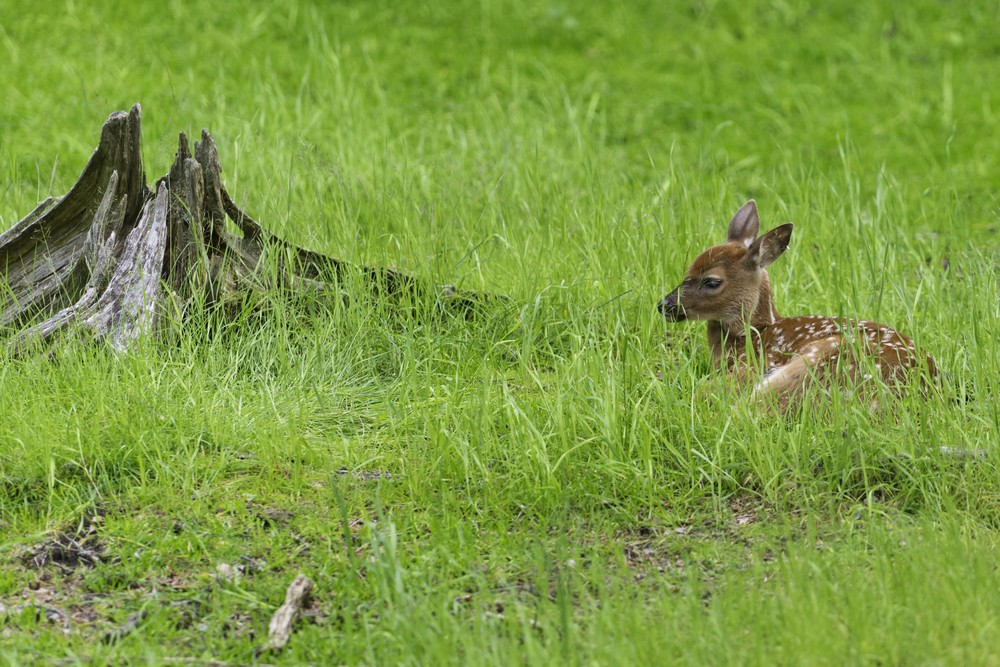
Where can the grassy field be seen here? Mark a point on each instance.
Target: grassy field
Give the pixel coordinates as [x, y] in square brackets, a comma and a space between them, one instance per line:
[519, 488]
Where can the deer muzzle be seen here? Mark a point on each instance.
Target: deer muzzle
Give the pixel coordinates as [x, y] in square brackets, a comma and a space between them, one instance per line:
[671, 309]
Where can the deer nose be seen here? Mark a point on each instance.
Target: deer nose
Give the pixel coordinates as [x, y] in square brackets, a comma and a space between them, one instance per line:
[671, 308]
[668, 306]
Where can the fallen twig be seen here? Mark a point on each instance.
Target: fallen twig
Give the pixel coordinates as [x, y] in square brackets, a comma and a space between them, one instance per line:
[52, 614]
[963, 453]
[280, 628]
[130, 624]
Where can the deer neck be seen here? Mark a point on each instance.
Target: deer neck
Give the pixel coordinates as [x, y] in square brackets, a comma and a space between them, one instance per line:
[726, 336]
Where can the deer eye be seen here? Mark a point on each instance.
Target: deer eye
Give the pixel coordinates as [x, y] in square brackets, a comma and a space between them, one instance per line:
[711, 283]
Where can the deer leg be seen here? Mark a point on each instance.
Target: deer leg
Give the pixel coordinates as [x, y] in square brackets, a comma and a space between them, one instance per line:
[793, 378]
[782, 382]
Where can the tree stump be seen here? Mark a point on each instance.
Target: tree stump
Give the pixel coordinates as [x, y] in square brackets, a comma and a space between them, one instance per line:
[113, 258]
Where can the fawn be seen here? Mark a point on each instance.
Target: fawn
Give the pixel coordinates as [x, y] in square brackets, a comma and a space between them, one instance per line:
[728, 286]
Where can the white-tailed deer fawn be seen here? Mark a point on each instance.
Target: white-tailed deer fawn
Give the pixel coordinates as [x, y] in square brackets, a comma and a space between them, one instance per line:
[728, 286]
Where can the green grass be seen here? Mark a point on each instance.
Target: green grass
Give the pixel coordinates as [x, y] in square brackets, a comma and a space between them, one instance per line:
[520, 487]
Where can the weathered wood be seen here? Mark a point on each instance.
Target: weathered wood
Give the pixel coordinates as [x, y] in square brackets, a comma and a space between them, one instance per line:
[128, 307]
[111, 258]
[42, 255]
[97, 257]
[279, 630]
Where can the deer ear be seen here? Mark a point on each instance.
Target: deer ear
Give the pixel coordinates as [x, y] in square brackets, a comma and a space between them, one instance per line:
[769, 247]
[745, 224]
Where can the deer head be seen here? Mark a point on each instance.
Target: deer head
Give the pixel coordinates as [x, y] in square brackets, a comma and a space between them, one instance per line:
[728, 283]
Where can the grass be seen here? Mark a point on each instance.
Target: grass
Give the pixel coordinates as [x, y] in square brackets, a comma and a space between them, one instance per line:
[521, 487]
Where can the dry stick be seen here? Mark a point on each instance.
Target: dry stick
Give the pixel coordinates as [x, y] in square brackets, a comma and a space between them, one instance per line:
[280, 628]
[963, 453]
[130, 624]
[50, 613]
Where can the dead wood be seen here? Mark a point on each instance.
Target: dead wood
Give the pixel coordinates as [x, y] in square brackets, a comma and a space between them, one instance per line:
[112, 258]
[280, 628]
[50, 613]
[130, 625]
[43, 257]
